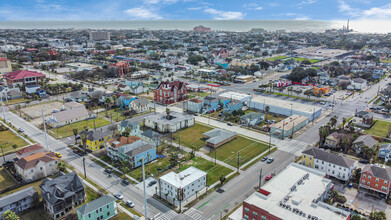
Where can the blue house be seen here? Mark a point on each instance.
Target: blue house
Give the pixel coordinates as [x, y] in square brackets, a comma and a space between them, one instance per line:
[233, 106]
[123, 102]
[385, 151]
[211, 103]
[134, 127]
[224, 101]
[135, 151]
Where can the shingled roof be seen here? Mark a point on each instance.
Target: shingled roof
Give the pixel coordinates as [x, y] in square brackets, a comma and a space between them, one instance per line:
[329, 157]
[32, 160]
[28, 149]
[379, 172]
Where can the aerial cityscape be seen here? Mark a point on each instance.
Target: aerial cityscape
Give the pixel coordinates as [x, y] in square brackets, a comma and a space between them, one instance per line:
[233, 112]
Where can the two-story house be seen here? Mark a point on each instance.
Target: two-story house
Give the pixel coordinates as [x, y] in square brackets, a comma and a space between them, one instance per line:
[19, 201]
[139, 105]
[333, 165]
[133, 152]
[62, 194]
[103, 207]
[195, 105]
[376, 180]
[113, 145]
[151, 137]
[170, 92]
[36, 166]
[134, 127]
[97, 139]
[385, 152]
[23, 78]
[364, 140]
[136, 87]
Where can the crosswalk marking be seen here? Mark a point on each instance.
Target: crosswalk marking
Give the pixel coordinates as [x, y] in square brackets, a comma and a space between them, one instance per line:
[167, 215]
[195, 214]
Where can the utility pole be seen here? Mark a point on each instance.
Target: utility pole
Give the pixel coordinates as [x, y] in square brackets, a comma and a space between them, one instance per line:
[84, 166]
[238, 163]
[145, 197]
[215, 155]
[2, 105]
[44, 126]
[2, 152]
[293, 129]
[270, 140]
[260, 178]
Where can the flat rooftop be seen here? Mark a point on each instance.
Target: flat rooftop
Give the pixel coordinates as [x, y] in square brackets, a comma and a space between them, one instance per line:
[288, 123]
[312, 186]
[320, 52]
[184, 178]
[176, 118]
[235, 95]
[285, 104]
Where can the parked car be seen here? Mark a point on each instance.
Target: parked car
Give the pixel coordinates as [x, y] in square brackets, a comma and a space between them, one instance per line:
[129, 203]
[75, 151]
[125, 182]
[229, 124]
[195, 114]
[363, 161]
[80, 153]
[268, 177]
[58, 155]
[270, 160]
[264, 159]
[108, 170]
[21, 130]
[118, 196]
[322, 103]
[153, 182]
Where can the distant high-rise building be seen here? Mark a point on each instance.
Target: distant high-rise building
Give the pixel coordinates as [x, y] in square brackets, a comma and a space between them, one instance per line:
[201, 28]
[99, 35]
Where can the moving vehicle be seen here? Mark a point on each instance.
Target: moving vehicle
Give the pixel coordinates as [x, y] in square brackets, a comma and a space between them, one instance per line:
[229, 124]
[21, 130]
[270, 160]
[153, 182]
[268, 177]
[118, 196]
[58, 155]
[129, 203]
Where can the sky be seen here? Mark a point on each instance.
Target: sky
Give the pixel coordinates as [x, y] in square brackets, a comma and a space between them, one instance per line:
[27, 10]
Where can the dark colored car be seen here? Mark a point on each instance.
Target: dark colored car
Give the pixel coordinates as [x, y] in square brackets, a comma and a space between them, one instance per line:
[108, 170]
[75, 151]
[125, 182]
[80, 153]
[270, 160]
[153, 182]
[229, 124]
[363, 161]
[9, 162]
[264, 159]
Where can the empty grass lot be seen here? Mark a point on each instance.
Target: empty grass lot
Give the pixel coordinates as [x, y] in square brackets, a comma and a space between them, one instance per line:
[8, 139]
[246, 148]
[5, 179]
[192, 137]
[276, 58]
[300, 59]
[214, 171]
[114, 114]
[67, 130]
[33, 214]
[200, 94]
[161, 162]
[121, 216]
[380, 128]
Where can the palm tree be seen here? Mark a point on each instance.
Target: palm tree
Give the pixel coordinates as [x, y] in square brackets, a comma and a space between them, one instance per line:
[83, 138]
[114, 97]
[267, 109]
[18, 107]
[124, 167]
[324, 131]
[167, 113]
[333, 120]
[75, 133]
[107, 102]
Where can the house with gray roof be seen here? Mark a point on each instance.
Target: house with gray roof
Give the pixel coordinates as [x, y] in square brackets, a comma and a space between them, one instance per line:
[334, 165]
[103, 207]
[134, 127]
[19, 201]
[73, 112]
[252, 118]
[217, 137]
[151, 137]
[385, 152]
[364, 140]
[376, 180]
[96, 139]
[62, 194]
[139, 105]
[78, 96]
[134, 152]
[173, 123]
[136, 87]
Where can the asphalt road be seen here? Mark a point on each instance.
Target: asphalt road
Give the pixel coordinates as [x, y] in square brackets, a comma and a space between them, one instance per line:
[94, 171]
[239, 188]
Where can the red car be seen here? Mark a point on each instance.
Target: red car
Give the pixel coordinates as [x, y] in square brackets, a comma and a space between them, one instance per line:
[268, 177]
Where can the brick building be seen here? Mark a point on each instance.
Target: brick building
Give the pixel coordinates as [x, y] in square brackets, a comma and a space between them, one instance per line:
[23, 78]
[122, 67]
[170, 92]
[376, 180]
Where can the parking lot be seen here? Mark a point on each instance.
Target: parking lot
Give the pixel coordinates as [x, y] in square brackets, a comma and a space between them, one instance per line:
[35, 110]
[151, 190]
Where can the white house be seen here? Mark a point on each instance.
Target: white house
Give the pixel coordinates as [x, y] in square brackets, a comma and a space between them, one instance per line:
[183, 185]
[37, 166]
[358, 84]
[173, 123]
[73, 112]
[139, 105]
[333, 165]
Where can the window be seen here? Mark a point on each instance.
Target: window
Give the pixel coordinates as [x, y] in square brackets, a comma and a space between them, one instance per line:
[40, 168]
[89, 215]
[245, 217]
[368, 182]
[310, 158]
[322, 162]
[246, 209]
[100, 209]
[107, 206]
[263, 217]
[369, 177]
[108, 213]
[383, 188]
[255, 213]
[377, 180]
[97, 211]
[364, 176]
[376, 185]
[385, 182]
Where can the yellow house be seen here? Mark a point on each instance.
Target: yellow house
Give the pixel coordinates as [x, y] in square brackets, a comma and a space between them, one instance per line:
[307, 158]
[97, 139]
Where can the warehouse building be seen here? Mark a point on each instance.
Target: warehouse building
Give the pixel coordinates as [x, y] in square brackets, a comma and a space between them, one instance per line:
[288, 126]
[283, 107]
[236, 96]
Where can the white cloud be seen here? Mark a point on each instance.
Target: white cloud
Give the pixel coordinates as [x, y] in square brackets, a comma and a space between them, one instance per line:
[154, 2]
[303, 18]
[307, 2]
[224, 15]
[195, 8]
[143, 13]
[252, 6]
[378, 13]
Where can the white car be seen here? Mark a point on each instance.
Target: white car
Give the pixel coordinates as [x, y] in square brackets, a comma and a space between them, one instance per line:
[21, 130]
[129, 203]
[118, 196]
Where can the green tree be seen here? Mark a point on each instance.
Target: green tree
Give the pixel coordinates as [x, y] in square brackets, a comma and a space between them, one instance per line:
[222, 180]
[357, 217]
[61, 166]
[75, 133]
[18, 107]
[267, 109]
[379, 215]
[333, 121]
[324, 131]
[124, 167]
[10, 215]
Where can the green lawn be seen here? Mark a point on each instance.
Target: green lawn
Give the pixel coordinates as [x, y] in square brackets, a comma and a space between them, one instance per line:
[153, 166]
[90, 194]
[115, 114]
[34, 184]
[133, 211]
[387, 60]
[67, 130]
[246, 148]
[5, 179]
[192, 136]
[300, 59]
[200, 94]
[380, 128]
[34, 214]
[8, 139]
[214, 171]
[276, 58]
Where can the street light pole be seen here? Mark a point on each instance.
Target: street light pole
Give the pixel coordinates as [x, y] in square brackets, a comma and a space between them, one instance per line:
[44, 126]
[260, 178]
[84, 166]
[145, 197]
[2, 152]
[2, 105]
